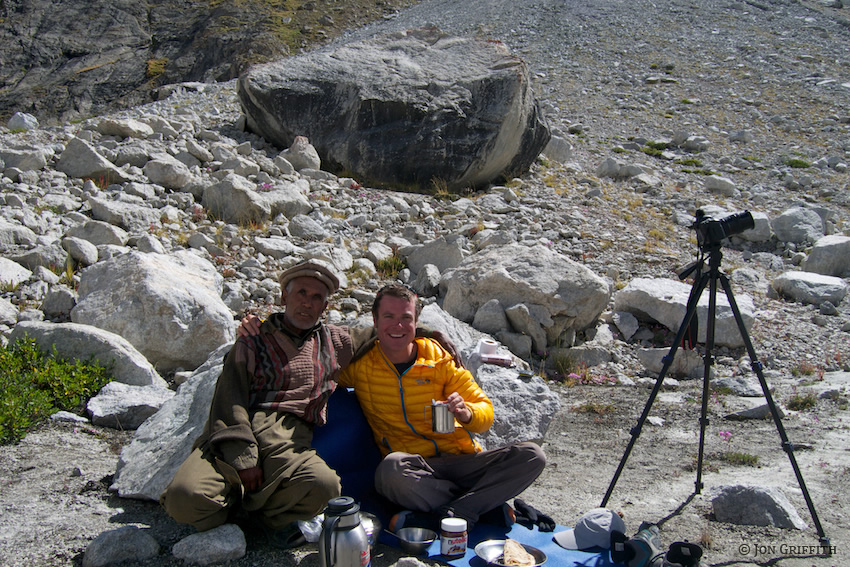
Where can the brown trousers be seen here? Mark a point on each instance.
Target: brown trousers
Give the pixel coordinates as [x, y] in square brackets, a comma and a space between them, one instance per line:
[469, 485]
[297, 483]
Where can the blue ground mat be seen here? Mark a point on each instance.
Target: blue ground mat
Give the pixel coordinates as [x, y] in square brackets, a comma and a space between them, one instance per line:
[556, 556]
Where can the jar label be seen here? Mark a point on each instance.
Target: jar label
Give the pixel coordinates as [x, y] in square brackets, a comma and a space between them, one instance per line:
[453, 545]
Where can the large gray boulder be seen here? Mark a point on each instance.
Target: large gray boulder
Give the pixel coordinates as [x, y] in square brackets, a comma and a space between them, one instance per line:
[168, 306]
[408, 108]
[163, 442]
[558, 293]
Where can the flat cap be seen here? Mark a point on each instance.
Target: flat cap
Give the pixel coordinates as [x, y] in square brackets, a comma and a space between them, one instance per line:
[317, 269]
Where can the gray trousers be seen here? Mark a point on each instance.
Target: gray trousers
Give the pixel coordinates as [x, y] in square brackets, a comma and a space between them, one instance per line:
[468, 485]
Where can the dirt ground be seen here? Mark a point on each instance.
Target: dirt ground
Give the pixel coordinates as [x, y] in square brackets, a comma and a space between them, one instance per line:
[55, 499]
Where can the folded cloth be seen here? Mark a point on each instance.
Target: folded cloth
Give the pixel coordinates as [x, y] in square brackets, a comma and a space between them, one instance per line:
[529, 516]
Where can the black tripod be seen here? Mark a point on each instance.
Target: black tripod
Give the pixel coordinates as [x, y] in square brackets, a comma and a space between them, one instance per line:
[710, 233]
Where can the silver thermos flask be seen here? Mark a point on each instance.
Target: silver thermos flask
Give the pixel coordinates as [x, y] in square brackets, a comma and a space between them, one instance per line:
[343, 541]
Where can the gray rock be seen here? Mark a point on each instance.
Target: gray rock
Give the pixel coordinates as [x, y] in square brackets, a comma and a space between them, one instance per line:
[522, 321]
[236, 200]
[301, 155]
[665, 301]
[829, 256]
[22, 121]
[745, 386]
[99, 232]
[124, 128]
[224, 543]
[136, 216]
[490, 318]
[163, 442]
[80, 159]
[627, 323]
[50, 256]
[128, 543]
[13, 234]
[122, 406]
[8, 312]
[759, 409]
[24, 159]
[427, 282]
[754, 506]
[168, 307]
[167, 171]
[722, 185]
[476, 120]
[12, 273]
[59, 301]
[686, 363]
[277, 247]
[441, 252]
[812, 288]
[569, 294]
[305, 227]
[798, 225]
[83, 341]
[82, 251]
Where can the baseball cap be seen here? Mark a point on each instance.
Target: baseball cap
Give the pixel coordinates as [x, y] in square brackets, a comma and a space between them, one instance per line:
[592, 530]
[315, 268]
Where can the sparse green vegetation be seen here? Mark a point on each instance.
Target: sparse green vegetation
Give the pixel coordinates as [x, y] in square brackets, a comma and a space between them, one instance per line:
[802, 401]
[742, 459]
[797, 163]
[155, 67]
[597, 408]
[390, 267]
[35, 385]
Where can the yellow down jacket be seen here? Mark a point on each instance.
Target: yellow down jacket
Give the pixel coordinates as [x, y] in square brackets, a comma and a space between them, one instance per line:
[398, 407]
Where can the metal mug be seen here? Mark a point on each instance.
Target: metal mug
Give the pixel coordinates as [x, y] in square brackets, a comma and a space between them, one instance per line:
[442, 420]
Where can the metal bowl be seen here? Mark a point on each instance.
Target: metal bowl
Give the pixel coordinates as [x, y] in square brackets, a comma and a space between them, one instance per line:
[373, 527]
[415, 540]
[492, 550]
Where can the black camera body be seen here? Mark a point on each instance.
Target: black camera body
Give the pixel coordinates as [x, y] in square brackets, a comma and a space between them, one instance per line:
[711, 232]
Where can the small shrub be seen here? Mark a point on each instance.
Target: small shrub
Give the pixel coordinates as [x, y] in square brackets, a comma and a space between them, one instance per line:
[801, 402]
[390, 267]
[743, 459]
[156, 67]
[35, 385]
[797, 163]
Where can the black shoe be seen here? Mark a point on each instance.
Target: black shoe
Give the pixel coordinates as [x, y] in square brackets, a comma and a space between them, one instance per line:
[684, 554]
[286, 538]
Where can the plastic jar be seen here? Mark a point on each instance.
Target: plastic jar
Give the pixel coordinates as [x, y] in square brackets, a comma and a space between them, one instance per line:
[453, 537]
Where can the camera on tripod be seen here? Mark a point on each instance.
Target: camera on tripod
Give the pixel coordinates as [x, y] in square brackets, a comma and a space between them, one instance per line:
[710, 232]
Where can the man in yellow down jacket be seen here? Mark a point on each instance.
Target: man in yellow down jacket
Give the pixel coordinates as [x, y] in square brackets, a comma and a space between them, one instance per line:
[432, 475]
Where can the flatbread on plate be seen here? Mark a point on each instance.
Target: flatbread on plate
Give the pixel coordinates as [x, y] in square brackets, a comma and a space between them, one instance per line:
[516, 555]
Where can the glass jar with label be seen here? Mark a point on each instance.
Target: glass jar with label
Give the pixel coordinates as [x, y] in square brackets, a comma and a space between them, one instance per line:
[453, 537]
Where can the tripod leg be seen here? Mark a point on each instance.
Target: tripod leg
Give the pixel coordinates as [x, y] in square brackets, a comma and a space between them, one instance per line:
[693, 299]
[714, 265]
[786, 445]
